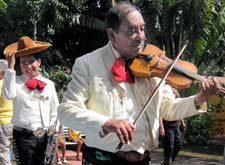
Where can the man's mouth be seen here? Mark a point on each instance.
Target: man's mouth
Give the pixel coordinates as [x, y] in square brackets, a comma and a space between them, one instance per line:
[139, 44]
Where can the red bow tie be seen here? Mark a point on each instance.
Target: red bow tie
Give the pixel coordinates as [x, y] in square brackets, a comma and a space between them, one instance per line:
[121, 72]
[35, 84]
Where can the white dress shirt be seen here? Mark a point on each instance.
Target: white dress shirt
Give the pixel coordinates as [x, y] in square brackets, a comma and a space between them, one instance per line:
[93, 97]
[32, 108]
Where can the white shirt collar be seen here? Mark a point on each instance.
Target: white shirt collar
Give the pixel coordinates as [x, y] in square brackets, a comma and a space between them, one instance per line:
[26, 77]
[115, 52]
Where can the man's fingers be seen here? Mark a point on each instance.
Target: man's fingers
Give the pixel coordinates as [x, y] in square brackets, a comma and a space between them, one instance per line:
[123, 128]
[120, 136]
[125, 132]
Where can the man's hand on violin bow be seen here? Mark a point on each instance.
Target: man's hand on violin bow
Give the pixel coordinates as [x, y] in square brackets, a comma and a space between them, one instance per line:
[123, 128]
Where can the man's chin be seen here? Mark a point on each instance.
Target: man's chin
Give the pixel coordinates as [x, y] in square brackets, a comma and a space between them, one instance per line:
[137, 48]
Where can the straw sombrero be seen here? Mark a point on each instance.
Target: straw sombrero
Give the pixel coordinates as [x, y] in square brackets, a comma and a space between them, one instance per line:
[26, 46]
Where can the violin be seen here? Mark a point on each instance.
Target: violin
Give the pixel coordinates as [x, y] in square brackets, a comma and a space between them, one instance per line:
[152, 62]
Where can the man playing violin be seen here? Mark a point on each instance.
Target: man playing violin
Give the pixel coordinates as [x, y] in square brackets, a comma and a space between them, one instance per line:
[103, 98]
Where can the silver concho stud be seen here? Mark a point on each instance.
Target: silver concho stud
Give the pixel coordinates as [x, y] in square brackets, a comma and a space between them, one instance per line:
[122, 93]
[39, 132]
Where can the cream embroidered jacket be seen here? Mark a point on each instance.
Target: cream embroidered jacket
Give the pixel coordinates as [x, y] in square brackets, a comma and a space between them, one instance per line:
[32, 109]
[93, 97]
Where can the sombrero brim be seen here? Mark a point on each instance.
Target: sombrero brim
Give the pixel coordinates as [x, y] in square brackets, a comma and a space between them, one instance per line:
[39, 47]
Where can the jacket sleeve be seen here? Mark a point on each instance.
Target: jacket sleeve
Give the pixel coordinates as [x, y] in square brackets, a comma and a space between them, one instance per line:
[175, 109]
[73, 110]
[9, 84]
[54, 106]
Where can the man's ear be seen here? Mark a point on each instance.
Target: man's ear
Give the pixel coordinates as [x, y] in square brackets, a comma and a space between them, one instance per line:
[110, 33]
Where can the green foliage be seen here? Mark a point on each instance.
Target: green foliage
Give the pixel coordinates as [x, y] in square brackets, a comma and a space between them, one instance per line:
[212, 68]
[199, 129]
[68, 25]
[88, 22]
[60, 76]
[2, 4]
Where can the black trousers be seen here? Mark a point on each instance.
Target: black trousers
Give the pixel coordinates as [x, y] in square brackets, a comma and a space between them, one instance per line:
[171, 143]
[29, 149]
[94, 156]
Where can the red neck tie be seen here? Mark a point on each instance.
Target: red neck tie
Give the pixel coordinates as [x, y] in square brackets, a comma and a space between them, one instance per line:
[35, 84]
[121, 72]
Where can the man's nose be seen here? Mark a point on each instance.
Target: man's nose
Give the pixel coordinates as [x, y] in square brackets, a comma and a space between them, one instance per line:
[141, 35]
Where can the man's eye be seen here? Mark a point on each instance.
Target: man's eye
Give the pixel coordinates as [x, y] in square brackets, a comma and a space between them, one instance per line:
[131, 31]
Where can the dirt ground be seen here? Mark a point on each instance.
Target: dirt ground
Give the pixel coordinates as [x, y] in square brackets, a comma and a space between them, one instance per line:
[193, 155]
[189, 155]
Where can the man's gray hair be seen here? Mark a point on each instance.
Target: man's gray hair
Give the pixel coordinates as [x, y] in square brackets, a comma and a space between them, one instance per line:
[117, 13]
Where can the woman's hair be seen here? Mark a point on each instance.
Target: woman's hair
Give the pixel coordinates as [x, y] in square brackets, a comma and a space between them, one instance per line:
[38, 55]
[117, 13]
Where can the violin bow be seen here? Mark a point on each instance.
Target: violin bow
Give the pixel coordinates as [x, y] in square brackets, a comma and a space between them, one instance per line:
[156, 90]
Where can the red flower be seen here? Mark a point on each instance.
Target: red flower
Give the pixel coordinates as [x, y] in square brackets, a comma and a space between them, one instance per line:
[35, 84]
[120, 72]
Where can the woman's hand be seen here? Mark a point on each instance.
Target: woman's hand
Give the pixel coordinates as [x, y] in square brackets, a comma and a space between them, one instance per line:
[10, 57]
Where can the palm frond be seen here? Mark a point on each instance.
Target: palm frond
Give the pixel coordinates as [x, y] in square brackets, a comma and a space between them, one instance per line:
[88, 22]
